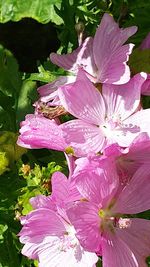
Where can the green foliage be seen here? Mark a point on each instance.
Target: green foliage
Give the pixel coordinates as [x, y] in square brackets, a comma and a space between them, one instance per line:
[140, 61]
[45, 75]
[42, 11]
[10, 82]
[26, 98]
[4, 162]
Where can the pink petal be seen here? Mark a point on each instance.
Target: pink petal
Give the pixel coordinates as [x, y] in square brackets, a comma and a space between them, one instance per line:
[84, 217]
[135, 196]
[40, 223]
[81, 57]
[98, 185]
[136, 236]
[109, 53]
[135, 155]
[48, 92]
[116, 253]
[63, 190]
[83, 137]
[40, 132]
[123, 100]
[41, 201]
[146, 42]
[59, 186]
[71, 164]
[116, 71]
[136, 124]
[131, 127]
[145, 90]
[83, 100]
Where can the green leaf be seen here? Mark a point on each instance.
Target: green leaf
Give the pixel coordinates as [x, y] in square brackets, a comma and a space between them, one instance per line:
[10, 83]
[4, 162]
[27, 96]
[10, 80]
[9, 150]
[43, 76]
[8, 253]
[42, 11]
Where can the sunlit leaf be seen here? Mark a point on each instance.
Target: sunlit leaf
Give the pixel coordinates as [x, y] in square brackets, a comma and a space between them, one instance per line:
[42, 11]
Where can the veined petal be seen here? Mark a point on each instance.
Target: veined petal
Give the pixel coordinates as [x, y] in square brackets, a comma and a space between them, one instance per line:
[49, 91]
[83, 137]
[116, 253]
[63, 189]
[115, 70]
[123, 100]
[40, 132]
[84, 217]
[59, 186]
[98, 185]
[81, 57]
[108, 51]
[40, 223]
[135, 196]
[131, 127]
[58, 254]
[139, 120]
[135, 155]
[136, 236]
[145, 90]
[41, 201]
[83, 100]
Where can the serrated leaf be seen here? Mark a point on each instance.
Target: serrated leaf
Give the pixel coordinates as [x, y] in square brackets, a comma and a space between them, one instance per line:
[42, 11]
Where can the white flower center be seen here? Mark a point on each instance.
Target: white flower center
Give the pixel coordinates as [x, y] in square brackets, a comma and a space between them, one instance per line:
[69, 240]
[111, 124]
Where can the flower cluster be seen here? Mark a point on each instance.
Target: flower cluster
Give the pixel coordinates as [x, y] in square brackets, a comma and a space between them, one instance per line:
[93, 212]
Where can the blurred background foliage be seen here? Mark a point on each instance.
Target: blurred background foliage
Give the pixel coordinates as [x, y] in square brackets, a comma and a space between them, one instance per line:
[29, 31]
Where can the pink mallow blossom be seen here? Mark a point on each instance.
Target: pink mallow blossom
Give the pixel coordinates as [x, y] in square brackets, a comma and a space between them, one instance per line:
[101, 220]
[103, 57]
[51, 240]
[47, 233]
[113, 116]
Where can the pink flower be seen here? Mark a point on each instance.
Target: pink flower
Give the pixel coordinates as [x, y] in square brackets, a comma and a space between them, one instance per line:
[110, 117]
[47, 233]
[99, 221]
[51, 240]
[39, 132]
[104, 57]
